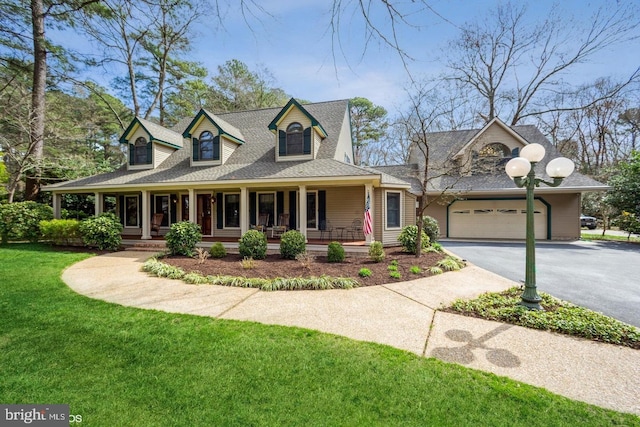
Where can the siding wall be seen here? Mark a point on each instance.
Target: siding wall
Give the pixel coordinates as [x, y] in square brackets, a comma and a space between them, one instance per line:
[565, 215]
[160, 154]
[493, 134]
[345, 145]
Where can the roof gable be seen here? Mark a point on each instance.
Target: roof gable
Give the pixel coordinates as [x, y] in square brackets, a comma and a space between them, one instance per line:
[156, 133]
[224, 128]
[493, 122]
[287, 108]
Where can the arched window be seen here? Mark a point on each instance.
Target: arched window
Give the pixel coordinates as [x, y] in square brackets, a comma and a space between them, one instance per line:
[140, 156]
[206, 146]
[495, 149]
[294, 138]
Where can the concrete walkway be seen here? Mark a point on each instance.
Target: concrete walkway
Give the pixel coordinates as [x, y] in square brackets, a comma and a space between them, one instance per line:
[403, 315]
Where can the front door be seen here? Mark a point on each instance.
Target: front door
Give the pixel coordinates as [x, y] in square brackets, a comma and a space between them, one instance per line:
[204, 213]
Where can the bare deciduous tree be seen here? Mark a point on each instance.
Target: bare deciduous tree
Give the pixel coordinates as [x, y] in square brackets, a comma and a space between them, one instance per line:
[513, 67]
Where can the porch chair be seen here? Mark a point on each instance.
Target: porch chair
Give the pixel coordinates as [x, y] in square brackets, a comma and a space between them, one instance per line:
[156, 222]
[282, 226]
[263, 222]
[355, 229]
[326, 227]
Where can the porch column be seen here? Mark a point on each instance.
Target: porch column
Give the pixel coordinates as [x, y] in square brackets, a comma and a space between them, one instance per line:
[146, 215]
[244, 210]
[98, 203]
[303, 211]
[57, 205]
[192, 206]
[368, 190]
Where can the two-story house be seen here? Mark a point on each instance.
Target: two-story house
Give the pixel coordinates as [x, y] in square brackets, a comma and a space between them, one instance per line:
[230, 172]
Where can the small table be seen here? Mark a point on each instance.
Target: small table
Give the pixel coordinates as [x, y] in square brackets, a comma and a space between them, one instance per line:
[340, 231]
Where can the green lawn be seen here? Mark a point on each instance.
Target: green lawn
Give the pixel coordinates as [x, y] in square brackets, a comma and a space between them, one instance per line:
[119, 366]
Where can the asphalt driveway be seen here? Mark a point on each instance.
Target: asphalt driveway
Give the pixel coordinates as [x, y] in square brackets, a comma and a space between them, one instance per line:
[602, 276]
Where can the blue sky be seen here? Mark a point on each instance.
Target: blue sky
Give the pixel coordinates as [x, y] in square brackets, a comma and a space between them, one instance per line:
[294, 43]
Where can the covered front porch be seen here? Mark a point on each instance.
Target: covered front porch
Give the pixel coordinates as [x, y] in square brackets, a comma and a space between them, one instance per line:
[322, 212]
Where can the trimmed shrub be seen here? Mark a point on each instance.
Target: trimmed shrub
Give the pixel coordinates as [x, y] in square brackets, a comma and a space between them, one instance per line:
[102, 232]
[335, 252]
[21, 220]
[217, 250]
[431, 227]
[292, 244]
[182, 238]
[60, 231]
[253, 244]
[408, 239]
[376, 252]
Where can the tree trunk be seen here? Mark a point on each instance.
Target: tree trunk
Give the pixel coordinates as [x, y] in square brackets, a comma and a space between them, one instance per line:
[36, 113]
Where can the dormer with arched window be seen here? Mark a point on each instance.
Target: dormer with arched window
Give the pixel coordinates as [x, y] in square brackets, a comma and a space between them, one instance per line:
[149, 144]
[212, 139]
[298, 133]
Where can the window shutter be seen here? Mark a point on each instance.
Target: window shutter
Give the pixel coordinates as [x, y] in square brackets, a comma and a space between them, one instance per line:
[282, 143]
[216, 148]
[196, 149]
[307, 141]
[515, 152]
[292, 210]
[322, 206]
[173, 203]
[252, 208]
[219, 212]
[279, 205]
[132, 154]
[149, 152]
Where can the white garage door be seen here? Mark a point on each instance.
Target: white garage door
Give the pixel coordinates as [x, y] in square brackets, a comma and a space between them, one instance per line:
[496, 219]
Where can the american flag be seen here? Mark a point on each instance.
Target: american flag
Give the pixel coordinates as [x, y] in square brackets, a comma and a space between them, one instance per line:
[368, 222]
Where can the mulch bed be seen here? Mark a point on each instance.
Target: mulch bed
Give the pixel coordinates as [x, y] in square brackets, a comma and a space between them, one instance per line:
[274, 266]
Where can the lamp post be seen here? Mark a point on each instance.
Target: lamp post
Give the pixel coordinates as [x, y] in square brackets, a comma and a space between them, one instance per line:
[522, 171]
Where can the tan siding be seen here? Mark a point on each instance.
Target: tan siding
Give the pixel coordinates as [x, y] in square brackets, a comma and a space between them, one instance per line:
[228, 148]
[316, 143]
[565, 215]
[160, 154]
[140, 132]
[294, 115]
[345, 145]
[495, 133]
[377, 214]
[344, 204]
[205, 125]
[439, 213]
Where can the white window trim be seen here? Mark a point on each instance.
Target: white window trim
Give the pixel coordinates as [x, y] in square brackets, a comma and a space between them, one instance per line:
[386, 212]
[124, 220]
[224, 210]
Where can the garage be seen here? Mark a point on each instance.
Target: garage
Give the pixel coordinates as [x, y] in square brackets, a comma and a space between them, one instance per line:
[495, 219]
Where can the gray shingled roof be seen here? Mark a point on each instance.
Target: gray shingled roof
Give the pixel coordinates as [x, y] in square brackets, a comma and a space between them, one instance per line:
[161, 133]
[442, 145]
[226, 127]
[251, 161]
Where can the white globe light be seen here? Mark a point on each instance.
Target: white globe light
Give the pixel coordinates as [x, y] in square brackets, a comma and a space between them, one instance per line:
[560, 167]
[532, 152]
[517, 167]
